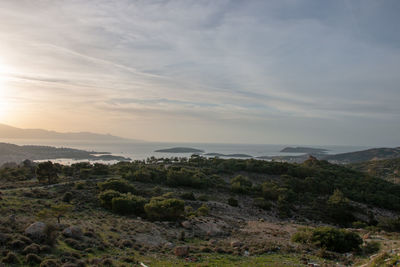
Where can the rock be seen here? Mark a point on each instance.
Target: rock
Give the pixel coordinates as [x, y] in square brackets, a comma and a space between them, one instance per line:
[73, 232]
[212, 242]
[236, 244]
[36, 230]
[168, 245]
[181, 251]
[186, 224]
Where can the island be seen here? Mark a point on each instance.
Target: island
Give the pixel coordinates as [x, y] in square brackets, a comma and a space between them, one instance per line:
[180, 150]
[228, 155]
[308, 150]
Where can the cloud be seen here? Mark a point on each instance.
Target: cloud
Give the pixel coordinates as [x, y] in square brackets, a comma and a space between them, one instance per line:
[231, 63]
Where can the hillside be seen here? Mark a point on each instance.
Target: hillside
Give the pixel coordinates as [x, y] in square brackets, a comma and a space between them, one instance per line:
[195, 212]
[365, 155]
[9, 132]
[15, 153]
[388, 169]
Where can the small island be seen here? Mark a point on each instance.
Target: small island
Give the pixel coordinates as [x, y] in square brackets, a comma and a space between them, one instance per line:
[180, 150]
[308, 150]
[229, 155]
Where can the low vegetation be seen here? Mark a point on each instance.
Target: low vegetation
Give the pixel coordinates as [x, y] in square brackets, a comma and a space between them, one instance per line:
[207, 209]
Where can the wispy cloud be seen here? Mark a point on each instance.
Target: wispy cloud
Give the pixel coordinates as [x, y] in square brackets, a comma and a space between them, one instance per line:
[231, 64]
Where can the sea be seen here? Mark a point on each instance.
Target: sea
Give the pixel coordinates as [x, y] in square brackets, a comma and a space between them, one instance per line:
[144, 150]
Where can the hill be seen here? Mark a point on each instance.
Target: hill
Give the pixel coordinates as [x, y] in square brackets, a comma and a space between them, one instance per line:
[180, 150]
[365, 155]
[15, 153]
[195, 212]
[388, 169]
[9, 132]
[308, 150]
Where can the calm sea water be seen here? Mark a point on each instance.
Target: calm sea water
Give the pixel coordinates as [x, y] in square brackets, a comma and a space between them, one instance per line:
[140, 151]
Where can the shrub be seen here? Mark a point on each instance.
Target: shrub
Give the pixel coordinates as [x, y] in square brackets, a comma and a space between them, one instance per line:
[203, 210]
[332, 239]
[49, 263]
[33, 259]
[128, 204]
[203, 198]
[359, 225]
[270, 191]
[233, 202]
[164, 209]
[107, 196]
[371, 247]
[118, 185]
[188, 196]
[67, 197]
[185, 177]
[11, 258]
[390, 224]
[80, 185]
[262, 203]
[241, 184]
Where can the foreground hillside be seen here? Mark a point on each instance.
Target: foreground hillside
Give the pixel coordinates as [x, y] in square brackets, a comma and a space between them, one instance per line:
[200, 212]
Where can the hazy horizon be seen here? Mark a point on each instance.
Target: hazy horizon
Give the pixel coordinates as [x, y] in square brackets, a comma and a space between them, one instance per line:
[250, 72]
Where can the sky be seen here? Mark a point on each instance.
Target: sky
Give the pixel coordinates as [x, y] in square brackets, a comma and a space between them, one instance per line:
[226, 71]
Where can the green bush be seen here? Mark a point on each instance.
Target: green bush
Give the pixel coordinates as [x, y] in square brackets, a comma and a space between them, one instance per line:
[107, 196]
[128, 204]
[371, 247]
[203, 210]
[358, 225]
[67, 197]
[203, 198]
[241, 184]
[164, 209]
[188, 196]
[233, 202]
[186, 177]
[118, 185]
[390, 224]
[332, 239]
[262, 203]
[80, 185]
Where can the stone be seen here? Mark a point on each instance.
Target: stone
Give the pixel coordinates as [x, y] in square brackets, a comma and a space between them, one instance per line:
[168, 245]
[73, 232]
[186, 224]
[36, 230]
[181, 251]
[236, 244]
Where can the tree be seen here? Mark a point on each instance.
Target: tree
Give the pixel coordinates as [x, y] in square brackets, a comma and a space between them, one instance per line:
[339, 208]
[47, 171]
[56, 211]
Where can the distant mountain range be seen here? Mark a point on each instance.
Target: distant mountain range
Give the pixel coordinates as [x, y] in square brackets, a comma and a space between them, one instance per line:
[9, 132]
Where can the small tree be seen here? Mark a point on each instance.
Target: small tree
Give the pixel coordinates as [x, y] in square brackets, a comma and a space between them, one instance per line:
[56, 211]
[47, 171]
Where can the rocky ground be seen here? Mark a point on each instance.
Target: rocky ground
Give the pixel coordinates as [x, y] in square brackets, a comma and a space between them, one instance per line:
[89, 235]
